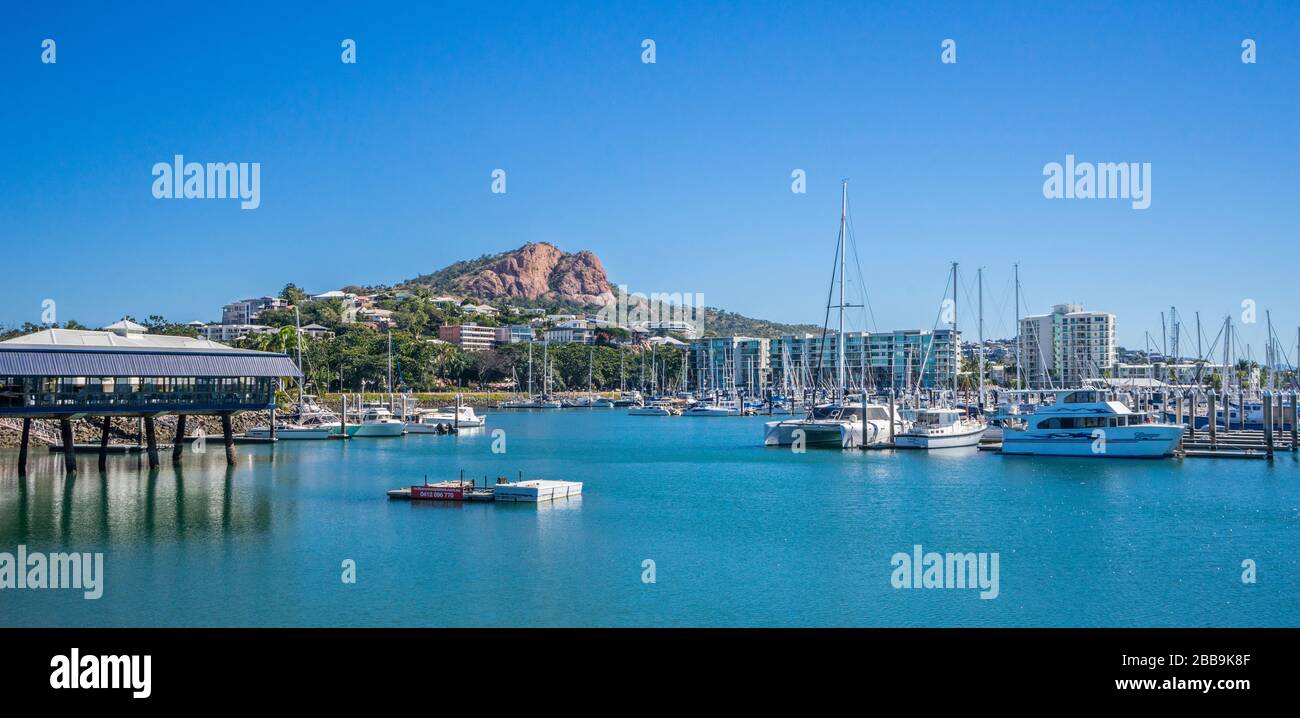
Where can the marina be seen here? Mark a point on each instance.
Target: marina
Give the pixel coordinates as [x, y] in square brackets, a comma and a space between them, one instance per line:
[732, 543]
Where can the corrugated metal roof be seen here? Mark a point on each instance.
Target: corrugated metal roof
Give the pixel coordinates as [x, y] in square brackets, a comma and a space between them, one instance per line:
[30, 361]
[125, 340]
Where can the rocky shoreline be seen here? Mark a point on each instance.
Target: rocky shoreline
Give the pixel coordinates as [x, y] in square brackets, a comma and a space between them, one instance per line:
[125, 430]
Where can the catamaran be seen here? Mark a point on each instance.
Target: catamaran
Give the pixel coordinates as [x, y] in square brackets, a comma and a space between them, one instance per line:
[1086, 422]
[845, 422]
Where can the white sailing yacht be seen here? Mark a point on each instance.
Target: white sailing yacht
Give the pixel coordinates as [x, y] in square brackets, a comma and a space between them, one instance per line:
[947, 428]
[844, 422]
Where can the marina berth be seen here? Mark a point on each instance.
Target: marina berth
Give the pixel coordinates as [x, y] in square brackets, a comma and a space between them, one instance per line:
[530, 491]
[536, 491]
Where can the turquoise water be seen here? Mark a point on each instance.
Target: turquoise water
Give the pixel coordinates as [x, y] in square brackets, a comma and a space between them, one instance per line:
[740, 535]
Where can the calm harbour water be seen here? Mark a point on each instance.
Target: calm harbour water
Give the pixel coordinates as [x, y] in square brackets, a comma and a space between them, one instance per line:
[740, 535]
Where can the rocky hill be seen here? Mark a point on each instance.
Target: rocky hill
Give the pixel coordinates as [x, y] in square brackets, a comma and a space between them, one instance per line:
[541, 274]
[536, 271]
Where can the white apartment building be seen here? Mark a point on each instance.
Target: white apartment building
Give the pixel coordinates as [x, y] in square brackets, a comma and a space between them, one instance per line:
[1066, 347]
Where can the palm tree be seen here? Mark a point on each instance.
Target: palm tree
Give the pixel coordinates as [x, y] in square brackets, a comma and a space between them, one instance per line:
[278, 341]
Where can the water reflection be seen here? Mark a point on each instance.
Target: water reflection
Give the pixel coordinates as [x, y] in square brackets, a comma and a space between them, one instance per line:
[128, 502]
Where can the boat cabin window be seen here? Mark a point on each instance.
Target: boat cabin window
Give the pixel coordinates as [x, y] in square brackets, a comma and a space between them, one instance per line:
[827, 412]
[1082, 397]
[1074, 422]
[878, 414]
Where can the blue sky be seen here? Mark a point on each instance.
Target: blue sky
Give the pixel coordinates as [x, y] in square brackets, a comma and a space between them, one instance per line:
[677, 174]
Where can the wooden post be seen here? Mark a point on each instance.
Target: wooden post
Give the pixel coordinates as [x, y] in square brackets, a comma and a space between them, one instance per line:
[22, 447]
[178, 443]
[228, 436]
[1192, 401]
[151, 441]
[69, 446]
[103, 443]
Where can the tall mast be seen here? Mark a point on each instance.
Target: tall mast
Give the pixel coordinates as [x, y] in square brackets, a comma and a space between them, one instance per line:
[297, 325]
[956, 347]
[1017, 266]
[530, 369]
[1268, 348]
[980, 273]
[839, 340]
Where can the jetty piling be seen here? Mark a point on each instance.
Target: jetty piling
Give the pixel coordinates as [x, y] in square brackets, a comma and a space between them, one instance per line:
[228, 438]
[103, 443]
[22, 447]
[69, 448]
[178, 442]
[151, 440]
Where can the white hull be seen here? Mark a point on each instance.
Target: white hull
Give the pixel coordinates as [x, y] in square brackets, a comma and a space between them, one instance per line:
[939, 440]
[393, 428]
[1147, 441]
[284, 433]
[649, 411]
[430, 424]
[712, 411]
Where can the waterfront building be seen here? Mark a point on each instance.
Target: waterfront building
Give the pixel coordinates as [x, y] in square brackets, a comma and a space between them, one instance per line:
[1066, 347]
[682, 327]
[229, 332]
[513, 334]
[469, 337]
[574, 331]
[902, 359]
[247, 311]
[721, 363]
[72, 373]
